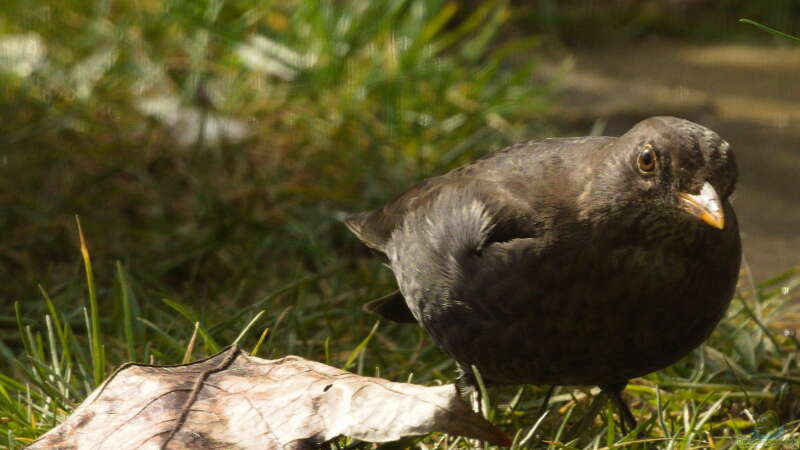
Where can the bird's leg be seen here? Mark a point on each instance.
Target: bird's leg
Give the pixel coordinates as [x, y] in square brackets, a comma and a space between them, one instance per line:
[594, 409]
[468, 389]
[546, 403]
[614, 391]
[471, 394]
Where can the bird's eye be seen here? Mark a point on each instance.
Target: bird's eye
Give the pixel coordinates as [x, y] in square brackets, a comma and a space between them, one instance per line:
[647, 159]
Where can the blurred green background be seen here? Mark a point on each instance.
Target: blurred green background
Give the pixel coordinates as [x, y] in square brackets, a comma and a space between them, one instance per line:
[212, 147]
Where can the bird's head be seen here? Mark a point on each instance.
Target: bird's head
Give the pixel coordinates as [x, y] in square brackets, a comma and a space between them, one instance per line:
[677, 168]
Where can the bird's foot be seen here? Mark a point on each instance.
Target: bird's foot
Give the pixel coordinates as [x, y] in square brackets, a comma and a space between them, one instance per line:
[546, 401]
[468, 389]
[586, 421]
[628, 421]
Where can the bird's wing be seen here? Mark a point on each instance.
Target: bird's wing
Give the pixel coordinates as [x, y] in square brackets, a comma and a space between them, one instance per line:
[374, 227]
[501, 179]
[424, 251]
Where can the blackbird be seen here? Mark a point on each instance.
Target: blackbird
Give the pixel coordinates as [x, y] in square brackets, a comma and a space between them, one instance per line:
[568, 261]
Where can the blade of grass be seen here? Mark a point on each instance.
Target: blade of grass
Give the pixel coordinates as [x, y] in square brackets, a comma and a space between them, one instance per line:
[61, 328]
[51, 342]
[247, 327]
[98, 350]
[127, 315]
[563, 425]
[26, 344]
[533, 429]
[769, 30]
[261, 339]
[484, 394]
[327, 349]
[189, 348]
[660, 408]
[360, 347]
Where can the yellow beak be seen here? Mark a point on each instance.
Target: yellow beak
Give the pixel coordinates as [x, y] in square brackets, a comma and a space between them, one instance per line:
[705, 206]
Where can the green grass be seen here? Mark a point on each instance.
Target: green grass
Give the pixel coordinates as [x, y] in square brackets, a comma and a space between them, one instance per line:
[190, 240]
[734, 392]
[769, 30]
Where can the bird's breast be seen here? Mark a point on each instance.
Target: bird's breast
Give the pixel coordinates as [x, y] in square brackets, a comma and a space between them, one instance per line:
[580, 315]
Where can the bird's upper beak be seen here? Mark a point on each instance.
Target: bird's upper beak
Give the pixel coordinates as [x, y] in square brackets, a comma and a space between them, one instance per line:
[705, 205]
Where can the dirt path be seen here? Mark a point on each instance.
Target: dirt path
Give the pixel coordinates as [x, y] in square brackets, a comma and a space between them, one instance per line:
[749, 95]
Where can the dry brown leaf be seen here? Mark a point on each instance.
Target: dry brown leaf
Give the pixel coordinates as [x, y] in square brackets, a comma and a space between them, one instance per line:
[236, 401]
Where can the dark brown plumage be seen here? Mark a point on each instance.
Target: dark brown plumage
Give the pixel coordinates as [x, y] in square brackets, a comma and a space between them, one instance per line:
[581, 261]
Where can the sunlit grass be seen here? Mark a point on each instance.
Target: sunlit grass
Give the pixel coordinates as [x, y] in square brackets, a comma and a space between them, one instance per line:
[738, 390]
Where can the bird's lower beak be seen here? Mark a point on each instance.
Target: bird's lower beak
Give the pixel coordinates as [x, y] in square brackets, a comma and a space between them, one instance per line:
[705, 205]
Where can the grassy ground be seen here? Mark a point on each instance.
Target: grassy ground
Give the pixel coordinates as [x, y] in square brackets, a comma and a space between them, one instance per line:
[739, 390]
[211, 148]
